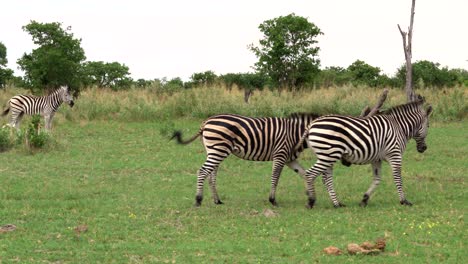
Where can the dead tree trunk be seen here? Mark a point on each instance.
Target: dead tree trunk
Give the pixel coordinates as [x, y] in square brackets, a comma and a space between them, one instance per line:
[247, 94]
[407, 45]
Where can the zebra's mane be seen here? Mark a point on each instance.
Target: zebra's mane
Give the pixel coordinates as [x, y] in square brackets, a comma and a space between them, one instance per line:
[302, 114]
[57, 90]
[402, 107]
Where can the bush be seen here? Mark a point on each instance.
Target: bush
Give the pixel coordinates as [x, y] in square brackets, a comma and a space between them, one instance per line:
[6, 141]
[35, 137]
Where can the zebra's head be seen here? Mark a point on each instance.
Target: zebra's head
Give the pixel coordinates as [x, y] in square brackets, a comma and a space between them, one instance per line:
[421, 131]
[66, 96]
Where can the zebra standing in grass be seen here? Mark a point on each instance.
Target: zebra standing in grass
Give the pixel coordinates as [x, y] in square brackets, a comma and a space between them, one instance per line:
[365, 140]
[257, 139]
[43, 105]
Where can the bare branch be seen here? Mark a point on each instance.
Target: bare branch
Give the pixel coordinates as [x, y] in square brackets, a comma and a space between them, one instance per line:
[367, 112]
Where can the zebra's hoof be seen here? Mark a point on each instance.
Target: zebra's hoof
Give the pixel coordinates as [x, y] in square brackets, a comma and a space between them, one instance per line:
[310, 204]
[406, 202]
[198, 201]
[364, 201]
[273, 201]
[339, 205]
[218, 202]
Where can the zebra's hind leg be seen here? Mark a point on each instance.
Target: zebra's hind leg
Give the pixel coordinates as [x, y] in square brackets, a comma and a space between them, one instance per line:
[312, 173]
[327, 179]
[296, 167]
[209, 168]
[16, 119]
[202, 174]
[278, 165]
[376, 170]
[214, 192]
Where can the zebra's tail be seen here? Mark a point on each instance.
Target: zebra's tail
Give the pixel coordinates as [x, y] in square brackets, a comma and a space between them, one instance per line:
[178, 136]
[301, 141]
[5, 112]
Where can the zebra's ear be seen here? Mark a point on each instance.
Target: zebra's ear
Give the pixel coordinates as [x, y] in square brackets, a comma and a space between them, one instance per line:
[420, 98]
[429, 110]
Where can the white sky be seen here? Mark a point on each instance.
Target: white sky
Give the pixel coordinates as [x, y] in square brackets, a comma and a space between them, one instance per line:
[176, 38]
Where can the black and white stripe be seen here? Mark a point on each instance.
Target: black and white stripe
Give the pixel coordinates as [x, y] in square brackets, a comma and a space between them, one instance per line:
[257, 139]
[46, 106]
[365, 140]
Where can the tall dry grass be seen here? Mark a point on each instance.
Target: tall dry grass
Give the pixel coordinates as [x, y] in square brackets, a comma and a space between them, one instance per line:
[147, 105]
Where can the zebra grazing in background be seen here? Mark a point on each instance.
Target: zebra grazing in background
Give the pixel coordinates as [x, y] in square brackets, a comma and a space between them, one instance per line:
[258, 139]
[43, 105]
[365, 140]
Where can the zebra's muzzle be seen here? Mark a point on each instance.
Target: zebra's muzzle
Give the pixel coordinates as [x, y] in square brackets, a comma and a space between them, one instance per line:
[71, 103]
[422, 148]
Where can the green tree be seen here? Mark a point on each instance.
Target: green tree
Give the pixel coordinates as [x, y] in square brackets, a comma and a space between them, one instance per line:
[110, 75]
[249, 82]
[363, 74]
[203, 78]
[287, 53]
[56, 61]
[429, 74]
[5, 73]
[333, 76]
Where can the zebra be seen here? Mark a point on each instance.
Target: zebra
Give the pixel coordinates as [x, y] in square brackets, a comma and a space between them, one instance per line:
[257, 139]
[43, 105]
[382, 137]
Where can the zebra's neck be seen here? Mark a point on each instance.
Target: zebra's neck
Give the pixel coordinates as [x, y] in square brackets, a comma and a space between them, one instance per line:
[55, 99]
[407, 118]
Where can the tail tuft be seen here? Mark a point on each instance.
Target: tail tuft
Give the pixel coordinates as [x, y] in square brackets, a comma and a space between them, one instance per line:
[5, 112]
[178, 136]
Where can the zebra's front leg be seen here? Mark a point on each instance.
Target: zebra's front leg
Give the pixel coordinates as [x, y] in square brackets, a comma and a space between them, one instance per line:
[376, 170]
[278, 165]
[212, 182]
[311, 174]
[48, 121]
[395, 163]
[327, 180]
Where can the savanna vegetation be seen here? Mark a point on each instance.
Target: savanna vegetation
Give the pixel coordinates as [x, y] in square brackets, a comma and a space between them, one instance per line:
[107, 185]
[112, 188]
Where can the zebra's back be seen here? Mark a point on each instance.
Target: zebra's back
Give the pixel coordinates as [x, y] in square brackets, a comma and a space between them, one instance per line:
[28, 104]
[258, 139]
[356, 140]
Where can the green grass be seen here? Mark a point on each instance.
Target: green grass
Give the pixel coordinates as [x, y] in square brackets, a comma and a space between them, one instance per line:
[134, 190]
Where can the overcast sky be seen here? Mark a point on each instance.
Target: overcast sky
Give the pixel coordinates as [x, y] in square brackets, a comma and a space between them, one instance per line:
[176, 38]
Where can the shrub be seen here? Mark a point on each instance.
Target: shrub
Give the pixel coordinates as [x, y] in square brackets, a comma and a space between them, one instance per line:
[35, 137]
[6, 141]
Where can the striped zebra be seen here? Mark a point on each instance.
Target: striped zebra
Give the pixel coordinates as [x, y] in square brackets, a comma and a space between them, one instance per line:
[43, 105]
[257, 139]
[365, 140]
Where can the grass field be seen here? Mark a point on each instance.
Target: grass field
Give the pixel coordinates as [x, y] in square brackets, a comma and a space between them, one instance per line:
[133, 190]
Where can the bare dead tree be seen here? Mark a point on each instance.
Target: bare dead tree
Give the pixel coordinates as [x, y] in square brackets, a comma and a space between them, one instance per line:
[407, 46]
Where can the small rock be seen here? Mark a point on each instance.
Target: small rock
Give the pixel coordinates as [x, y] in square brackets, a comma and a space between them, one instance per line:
[380, 244]
[354, 249]
[367, 245]
[331, 250]
[7, 228]
[80, 229]
[269, 213]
